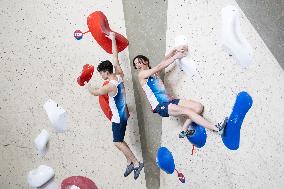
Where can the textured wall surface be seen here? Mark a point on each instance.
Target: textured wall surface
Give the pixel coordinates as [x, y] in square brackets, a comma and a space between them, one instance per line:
[40, 59]
[257, 163]
[146, 30]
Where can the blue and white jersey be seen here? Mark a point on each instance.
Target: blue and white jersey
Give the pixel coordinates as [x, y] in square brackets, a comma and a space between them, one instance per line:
[117, 103]
[155, 91]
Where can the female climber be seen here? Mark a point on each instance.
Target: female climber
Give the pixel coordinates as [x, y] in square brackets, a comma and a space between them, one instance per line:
[164, 104]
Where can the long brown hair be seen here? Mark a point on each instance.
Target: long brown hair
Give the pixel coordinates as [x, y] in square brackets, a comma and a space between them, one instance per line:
[141, 57]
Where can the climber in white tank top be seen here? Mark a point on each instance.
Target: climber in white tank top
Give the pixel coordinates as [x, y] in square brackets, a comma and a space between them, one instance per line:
[117, 102]
[155, 91]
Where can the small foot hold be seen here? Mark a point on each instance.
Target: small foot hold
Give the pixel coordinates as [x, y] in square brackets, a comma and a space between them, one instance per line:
[41, 142]
[39, 176]
[180, 176]
[193, 150]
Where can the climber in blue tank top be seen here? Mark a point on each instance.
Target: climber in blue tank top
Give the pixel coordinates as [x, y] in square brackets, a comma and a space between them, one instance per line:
[163, 103]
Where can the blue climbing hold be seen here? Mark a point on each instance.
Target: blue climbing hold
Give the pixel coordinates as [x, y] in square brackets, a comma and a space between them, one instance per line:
[165, 160]
[231, 136]
[198, 139]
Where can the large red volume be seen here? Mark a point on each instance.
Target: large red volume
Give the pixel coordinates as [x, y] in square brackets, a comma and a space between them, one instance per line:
[99, 27]
[79, 181]
[104, 103]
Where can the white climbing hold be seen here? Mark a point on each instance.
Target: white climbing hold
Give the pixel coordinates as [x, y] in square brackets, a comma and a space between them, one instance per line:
[57, 115]
[39, 176]
[185, 64]
[74, 187]
[41, 142]
[233, 40]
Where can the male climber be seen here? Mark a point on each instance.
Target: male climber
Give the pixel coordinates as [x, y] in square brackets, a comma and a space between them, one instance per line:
[117, 102]
[164, 104]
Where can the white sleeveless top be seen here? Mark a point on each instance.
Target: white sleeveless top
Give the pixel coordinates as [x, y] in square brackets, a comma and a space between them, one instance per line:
[117, 103]
[155, 91]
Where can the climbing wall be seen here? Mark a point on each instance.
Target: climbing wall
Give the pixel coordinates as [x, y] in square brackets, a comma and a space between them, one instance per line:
[41, 60]
[217, 81]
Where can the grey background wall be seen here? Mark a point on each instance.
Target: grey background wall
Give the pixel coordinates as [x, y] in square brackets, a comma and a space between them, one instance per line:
[267, 17]
[146, 29]
[40, 59]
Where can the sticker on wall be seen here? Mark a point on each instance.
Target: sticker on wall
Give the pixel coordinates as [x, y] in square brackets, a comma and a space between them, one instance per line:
[78, 34]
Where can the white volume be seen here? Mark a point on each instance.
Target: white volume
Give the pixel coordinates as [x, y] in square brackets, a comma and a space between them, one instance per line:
[233, 40]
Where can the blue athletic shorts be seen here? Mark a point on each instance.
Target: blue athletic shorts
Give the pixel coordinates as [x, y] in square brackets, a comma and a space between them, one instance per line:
[162, 108]
[118, 131]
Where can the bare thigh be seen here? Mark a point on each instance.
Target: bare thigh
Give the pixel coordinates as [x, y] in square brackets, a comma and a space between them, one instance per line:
[178, 110]
[194, 105]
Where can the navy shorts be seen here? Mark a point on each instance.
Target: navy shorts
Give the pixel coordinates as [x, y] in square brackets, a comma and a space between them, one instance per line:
[118, 131]
[162, 108]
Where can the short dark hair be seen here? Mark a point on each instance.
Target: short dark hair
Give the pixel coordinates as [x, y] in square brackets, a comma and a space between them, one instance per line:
[105, 66]
[141, 57]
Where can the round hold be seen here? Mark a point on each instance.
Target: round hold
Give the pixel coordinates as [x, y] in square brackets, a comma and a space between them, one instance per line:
[165, 160]
[198, 139]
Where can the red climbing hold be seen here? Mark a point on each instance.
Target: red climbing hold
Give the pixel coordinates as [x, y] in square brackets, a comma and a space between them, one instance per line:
[86, 74]
[79, 181]
[99, 27]
[180, 176]
[104, 103]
